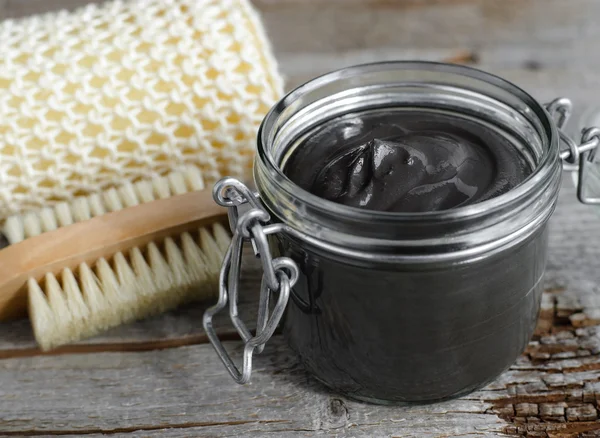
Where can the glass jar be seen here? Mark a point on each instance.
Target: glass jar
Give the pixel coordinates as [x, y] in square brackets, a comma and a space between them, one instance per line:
[398, 307]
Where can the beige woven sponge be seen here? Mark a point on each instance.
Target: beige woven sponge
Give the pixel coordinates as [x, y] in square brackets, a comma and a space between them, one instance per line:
[123, 90]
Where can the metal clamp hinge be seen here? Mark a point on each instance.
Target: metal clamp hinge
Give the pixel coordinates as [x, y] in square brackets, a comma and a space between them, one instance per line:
[576, 157]
[279, 275]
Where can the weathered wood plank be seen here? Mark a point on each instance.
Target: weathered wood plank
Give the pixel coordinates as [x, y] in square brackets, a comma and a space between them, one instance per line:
[581, 83]
[187, 387]
[372, 431]
[340, 25]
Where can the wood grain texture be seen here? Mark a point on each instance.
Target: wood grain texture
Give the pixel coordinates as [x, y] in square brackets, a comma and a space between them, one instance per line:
[314, 27]
[149, 390]
[336, 26]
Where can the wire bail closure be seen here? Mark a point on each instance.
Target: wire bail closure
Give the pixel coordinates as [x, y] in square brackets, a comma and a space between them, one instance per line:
[279, 275]
[577, 157]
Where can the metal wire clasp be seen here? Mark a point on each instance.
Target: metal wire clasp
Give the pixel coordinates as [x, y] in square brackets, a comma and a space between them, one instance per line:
[279, 275]
[576, 157]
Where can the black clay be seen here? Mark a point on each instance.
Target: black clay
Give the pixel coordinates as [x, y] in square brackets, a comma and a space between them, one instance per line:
[405, 162]
[392, 335]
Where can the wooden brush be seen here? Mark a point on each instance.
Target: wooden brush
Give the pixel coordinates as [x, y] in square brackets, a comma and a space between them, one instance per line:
[110, 258]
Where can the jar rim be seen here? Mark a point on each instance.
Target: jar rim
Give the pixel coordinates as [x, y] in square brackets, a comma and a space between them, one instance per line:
[549, 157]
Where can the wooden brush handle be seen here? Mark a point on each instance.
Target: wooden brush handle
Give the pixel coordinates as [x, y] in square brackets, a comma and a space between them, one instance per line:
[101, 236]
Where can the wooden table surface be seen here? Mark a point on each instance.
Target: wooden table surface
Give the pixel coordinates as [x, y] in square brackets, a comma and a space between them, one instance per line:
[159, 377]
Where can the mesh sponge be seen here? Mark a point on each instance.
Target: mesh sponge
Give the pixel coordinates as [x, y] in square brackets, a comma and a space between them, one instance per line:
[127, 90]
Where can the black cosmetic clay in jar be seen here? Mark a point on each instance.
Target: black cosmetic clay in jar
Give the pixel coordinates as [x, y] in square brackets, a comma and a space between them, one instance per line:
[401, 221]
[405, 161]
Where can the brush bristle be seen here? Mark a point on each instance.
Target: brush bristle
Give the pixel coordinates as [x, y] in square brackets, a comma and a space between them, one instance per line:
[20, 227]
[131, 285]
